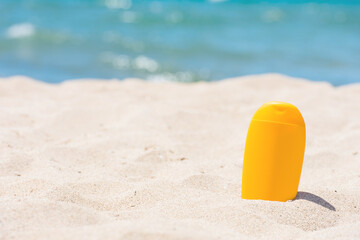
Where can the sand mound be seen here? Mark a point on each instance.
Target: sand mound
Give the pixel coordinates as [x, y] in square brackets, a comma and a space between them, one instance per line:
[138, 160]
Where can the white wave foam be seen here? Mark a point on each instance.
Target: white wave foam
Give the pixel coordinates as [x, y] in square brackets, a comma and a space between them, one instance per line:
[177, 77]
[124, 62]
[145, 63]
[123, 4]
[118, 61]
[20, 30]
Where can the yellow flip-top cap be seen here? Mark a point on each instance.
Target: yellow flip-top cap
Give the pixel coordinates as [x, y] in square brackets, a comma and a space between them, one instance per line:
[279, 112]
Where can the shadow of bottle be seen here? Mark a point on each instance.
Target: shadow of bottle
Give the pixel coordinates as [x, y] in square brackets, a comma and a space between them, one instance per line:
[315, 199]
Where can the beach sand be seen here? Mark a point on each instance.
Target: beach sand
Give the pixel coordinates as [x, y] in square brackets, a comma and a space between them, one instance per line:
[90, 159]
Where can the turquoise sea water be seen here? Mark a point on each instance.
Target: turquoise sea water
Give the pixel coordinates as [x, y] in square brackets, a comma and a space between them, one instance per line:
[55, 40]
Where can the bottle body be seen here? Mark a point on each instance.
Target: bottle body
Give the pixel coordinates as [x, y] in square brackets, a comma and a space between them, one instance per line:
[274, 153]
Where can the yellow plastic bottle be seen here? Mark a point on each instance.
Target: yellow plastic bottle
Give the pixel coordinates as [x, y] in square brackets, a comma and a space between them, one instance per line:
[274, 153]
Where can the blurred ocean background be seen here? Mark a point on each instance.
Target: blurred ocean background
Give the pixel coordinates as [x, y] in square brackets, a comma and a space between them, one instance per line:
[56, 40]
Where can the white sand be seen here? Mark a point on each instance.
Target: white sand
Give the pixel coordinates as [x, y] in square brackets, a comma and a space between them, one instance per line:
[138, 160]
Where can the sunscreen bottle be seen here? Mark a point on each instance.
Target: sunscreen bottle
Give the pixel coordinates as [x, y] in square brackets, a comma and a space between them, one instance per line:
[274, 153]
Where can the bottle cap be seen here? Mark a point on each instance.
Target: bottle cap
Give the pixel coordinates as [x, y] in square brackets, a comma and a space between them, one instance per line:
[279, 112]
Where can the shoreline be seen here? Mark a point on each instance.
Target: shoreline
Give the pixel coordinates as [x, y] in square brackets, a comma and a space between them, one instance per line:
[252, 77]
